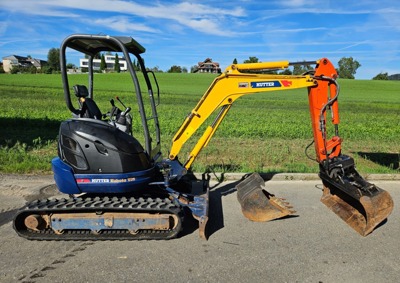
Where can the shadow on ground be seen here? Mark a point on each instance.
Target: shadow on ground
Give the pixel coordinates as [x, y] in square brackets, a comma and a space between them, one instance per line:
[27, 131]
[216, 215]
[389, 160]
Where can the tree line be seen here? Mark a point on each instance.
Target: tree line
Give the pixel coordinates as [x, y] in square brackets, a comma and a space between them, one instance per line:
[347, 67]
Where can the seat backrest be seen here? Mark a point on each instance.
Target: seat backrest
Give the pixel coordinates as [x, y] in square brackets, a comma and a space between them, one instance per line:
[81, 91]
[90, 109]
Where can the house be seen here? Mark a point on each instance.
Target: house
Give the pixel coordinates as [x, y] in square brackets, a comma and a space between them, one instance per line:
[110, 61]
[19, 61]
[208, 66]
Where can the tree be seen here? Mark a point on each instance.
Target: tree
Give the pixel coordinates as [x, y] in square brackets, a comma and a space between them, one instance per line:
[53, 59]
[348, 67]
[71, 66]
[155, 69]
[251, 60]
[381, 76]
[136, 65]
[175, 69]
[194, 68]
[103, 64]
[286, 72]
[299, 69]
[117, 67]
[15, 70]
[32, 69]
[234, 61]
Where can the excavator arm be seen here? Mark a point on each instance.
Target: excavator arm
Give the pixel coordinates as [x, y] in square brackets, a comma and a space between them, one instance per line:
[224, 91]
[359, 203]
[235, 83]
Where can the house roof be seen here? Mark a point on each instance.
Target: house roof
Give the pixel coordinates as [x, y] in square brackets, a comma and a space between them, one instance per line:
[33, 61]
[10, 57]
[37, 62]
[208, 61]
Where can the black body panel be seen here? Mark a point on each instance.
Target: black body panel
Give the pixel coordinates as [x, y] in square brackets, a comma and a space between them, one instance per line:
[93, 146]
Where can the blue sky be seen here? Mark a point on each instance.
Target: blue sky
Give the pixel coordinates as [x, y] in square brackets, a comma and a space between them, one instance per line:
[186, 32]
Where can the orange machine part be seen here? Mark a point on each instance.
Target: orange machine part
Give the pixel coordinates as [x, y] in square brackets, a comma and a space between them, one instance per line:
[318, 97]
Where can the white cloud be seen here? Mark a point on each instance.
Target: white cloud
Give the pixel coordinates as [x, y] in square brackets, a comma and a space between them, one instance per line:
[28, 7]
[121, 24]
[296, 30]
[353, 45]
[296, 3]
[192, 29]
[203, 18]
[3, 27]
[390, 16]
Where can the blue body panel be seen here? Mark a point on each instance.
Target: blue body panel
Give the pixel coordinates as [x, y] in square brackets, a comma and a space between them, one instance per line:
[70, 183]
[64, 177]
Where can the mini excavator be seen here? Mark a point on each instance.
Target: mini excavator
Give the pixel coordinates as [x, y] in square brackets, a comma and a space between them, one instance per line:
[122, 189]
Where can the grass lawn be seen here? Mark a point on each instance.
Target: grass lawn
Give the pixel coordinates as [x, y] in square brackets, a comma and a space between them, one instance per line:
[265, 132]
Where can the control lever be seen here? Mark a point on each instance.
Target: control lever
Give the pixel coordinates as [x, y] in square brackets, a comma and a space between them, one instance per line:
[127, 110]
[113, 111]
[121, 102]
[122, 116]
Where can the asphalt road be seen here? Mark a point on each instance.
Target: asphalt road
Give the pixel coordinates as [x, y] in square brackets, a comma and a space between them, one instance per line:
[315, 246]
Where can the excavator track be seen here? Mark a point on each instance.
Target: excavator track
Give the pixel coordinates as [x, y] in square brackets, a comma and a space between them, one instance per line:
[117, 218]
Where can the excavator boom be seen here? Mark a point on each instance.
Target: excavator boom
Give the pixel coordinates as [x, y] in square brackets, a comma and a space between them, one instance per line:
[360, 204]
[223, 92]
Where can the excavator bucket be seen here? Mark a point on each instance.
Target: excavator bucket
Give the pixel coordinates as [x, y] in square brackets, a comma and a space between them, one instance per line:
[362, 205]
[257, 203]
[362, 215]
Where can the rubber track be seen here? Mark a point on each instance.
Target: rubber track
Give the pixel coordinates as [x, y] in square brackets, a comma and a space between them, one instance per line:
[103, 204]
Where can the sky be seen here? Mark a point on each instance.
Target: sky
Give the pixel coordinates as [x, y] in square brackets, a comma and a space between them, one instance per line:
[184, 33]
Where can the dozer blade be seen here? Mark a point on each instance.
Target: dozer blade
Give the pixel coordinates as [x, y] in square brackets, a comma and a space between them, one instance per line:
[257, 203]
[362, 215]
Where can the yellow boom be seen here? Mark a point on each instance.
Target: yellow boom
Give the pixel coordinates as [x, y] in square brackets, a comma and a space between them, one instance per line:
[225, 89]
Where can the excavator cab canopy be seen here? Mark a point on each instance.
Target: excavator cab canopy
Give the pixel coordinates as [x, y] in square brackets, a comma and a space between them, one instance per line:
[91, 45]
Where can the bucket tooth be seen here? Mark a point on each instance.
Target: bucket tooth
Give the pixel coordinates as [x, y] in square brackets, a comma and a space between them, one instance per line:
[258, 204]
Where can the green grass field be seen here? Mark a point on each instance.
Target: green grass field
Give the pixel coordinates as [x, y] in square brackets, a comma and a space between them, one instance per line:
[264, 132]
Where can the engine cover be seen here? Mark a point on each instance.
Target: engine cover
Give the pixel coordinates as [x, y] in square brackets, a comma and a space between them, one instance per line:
[92, 146]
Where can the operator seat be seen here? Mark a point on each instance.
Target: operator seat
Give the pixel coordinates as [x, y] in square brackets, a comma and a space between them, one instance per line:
[89, 108]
